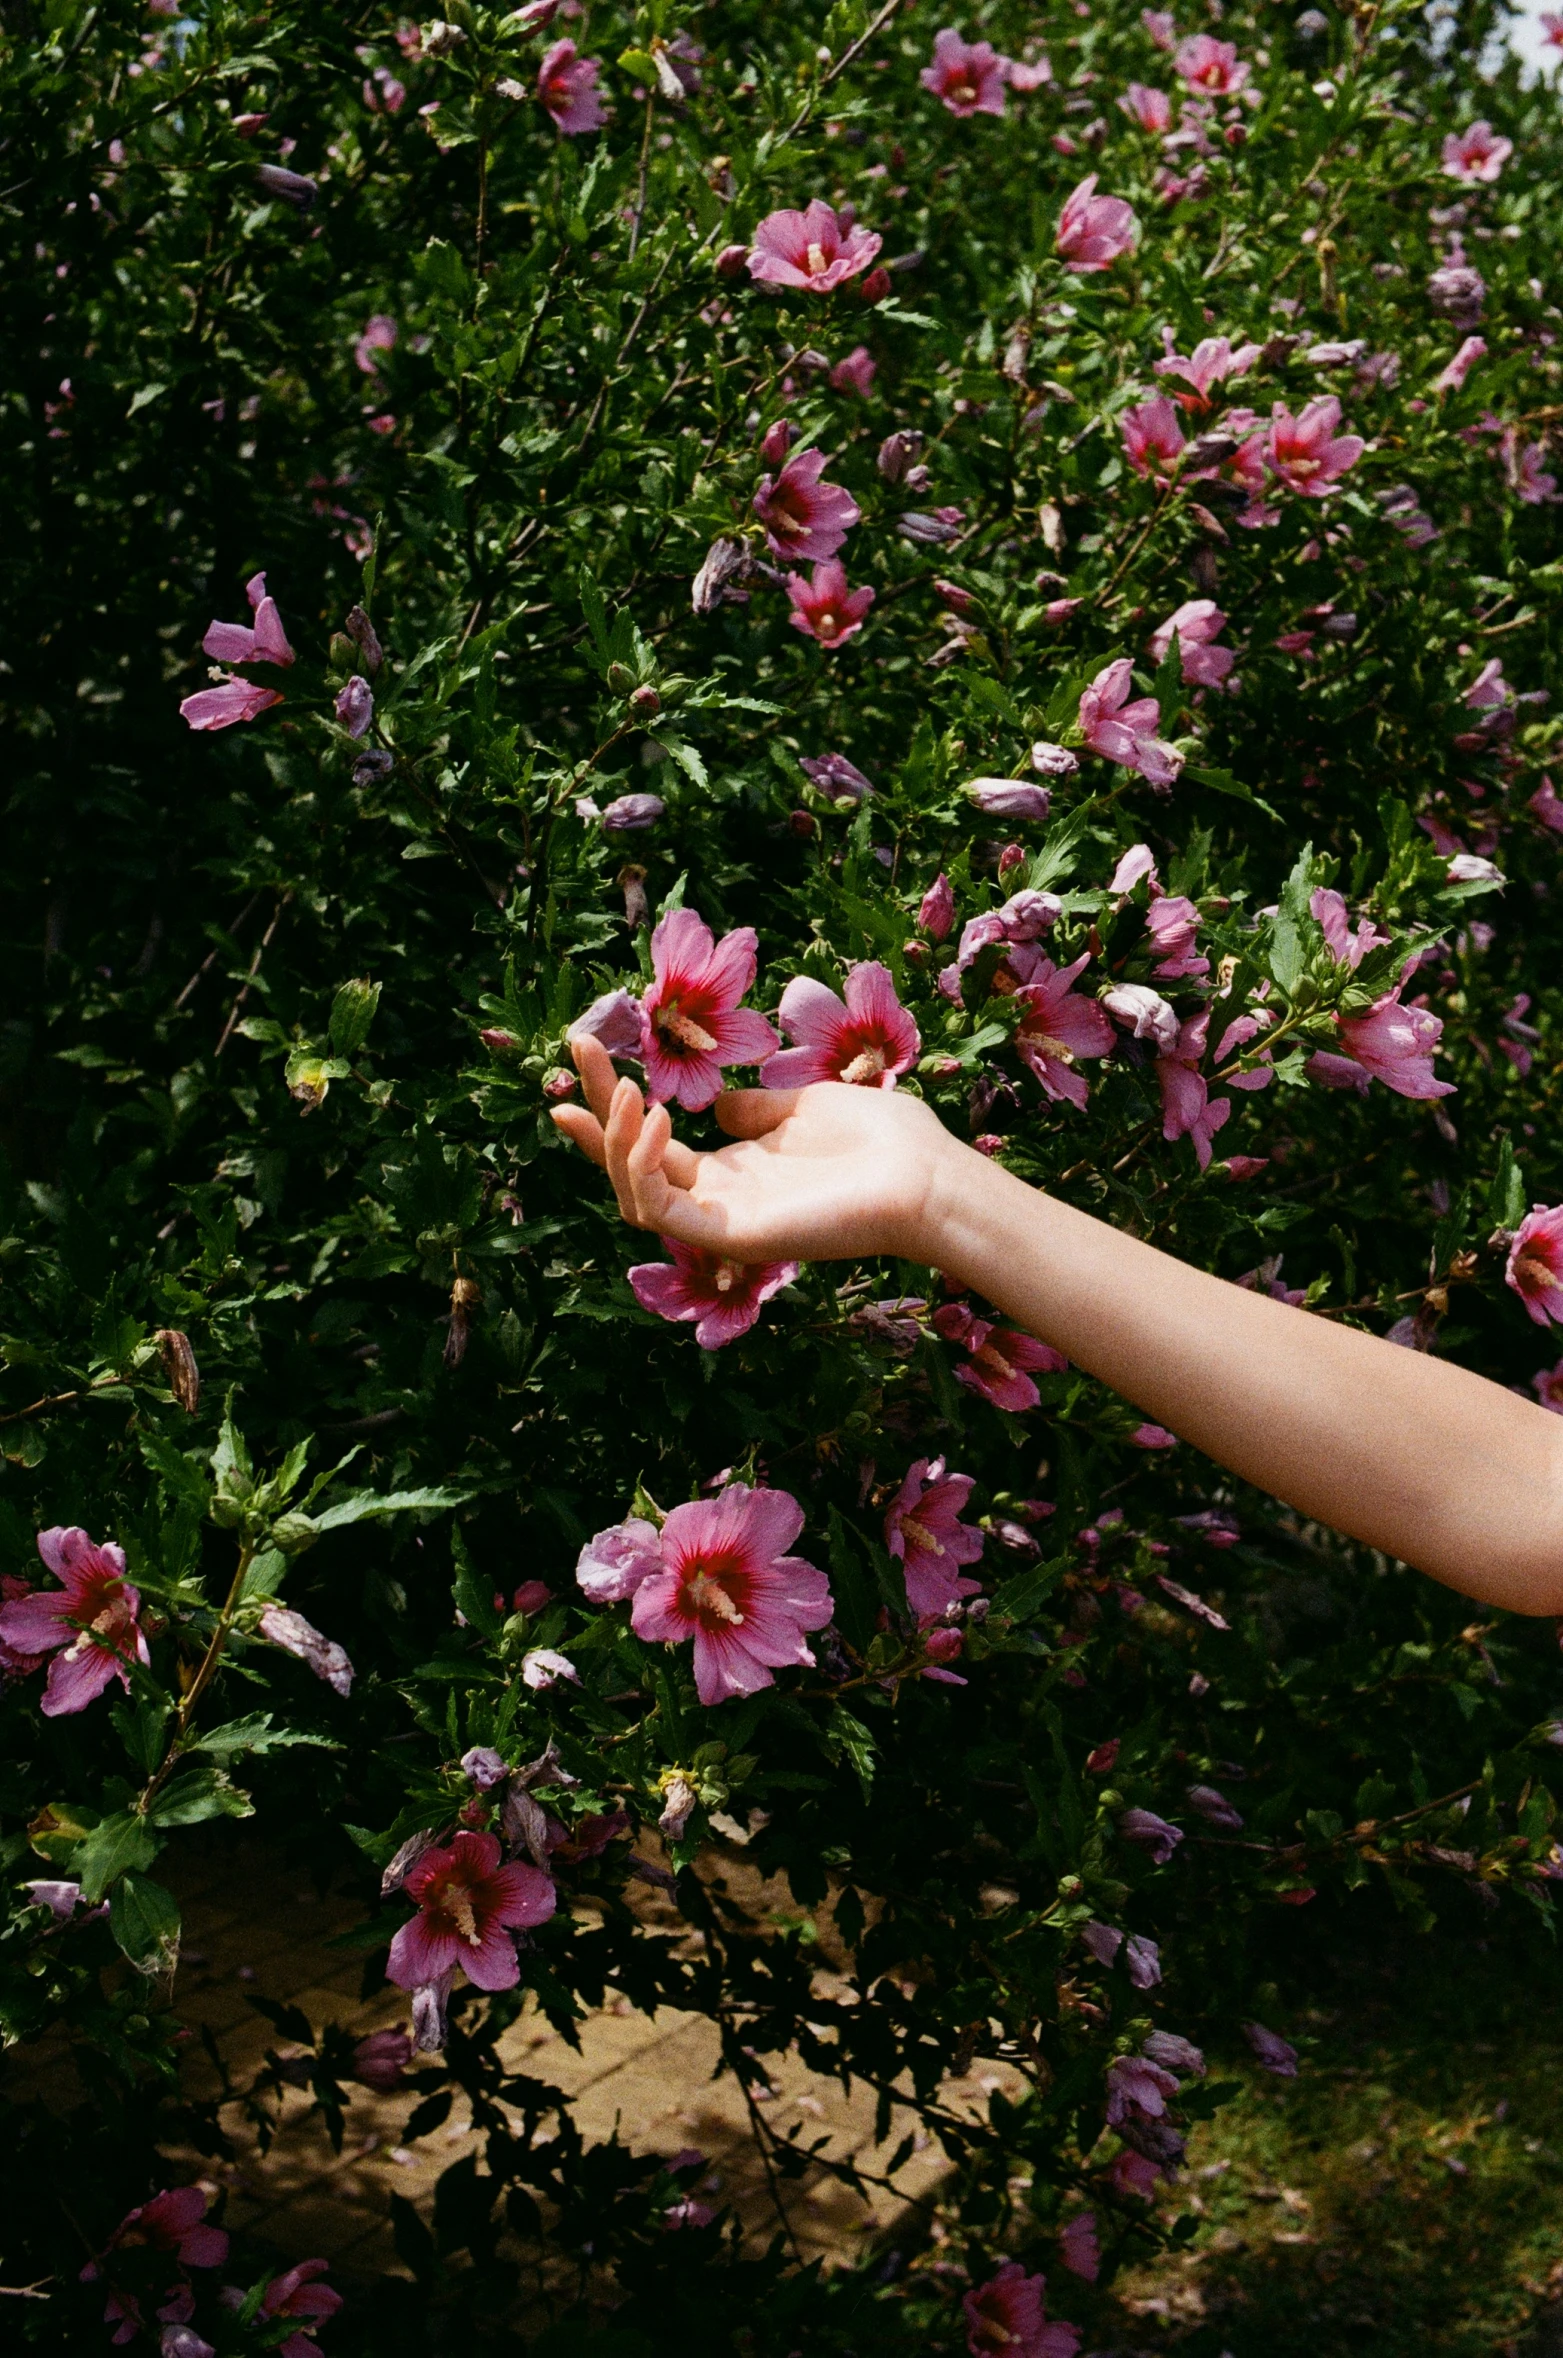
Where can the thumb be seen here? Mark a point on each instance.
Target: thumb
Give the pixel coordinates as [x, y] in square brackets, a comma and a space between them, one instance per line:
[754, 1113]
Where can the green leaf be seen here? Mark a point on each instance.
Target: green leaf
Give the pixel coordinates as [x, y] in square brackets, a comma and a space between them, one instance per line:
[144, 1919]
[255, 1733]
[395, 1502]
[1019, 1597]
[847, 1737]
[352, 1013]
[144, 398]
[197, 1794]
[1222, 782]
[118, 1845]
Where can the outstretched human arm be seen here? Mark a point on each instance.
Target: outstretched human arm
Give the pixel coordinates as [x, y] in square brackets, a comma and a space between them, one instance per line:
[1417, 1457]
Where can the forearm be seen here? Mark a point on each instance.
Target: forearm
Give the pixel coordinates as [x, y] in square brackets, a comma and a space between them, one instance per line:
[1410, 1454]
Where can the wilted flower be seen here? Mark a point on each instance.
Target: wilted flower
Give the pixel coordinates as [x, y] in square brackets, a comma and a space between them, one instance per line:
[824, 608]
[380, 2061]
[679, 1798]
[812, 249]
[1211, 66]
[1143, 1012]
[90, 1623]
[1094, 232]
[930, 528]
[804, 517]
[726, 1582]
[468, 1904]
[1149, 1832]
[1053, 761]
[898, 454]
[280, 1626]
[727, 562]
[1452, 376]
[1009, 798]
[1276, 2054]
[1000, 1361]
[1534, 1270]
[1214, 1807]
[567, 87]
[615, 1020]
[966, 76]
[691, 1022]
[1477, 153]
[1458, 291]
[612, 1566]
[1059, 1027]
[1137, 2089]
[923, 1530]
[1141, 1957]
[869, 1039]
[486, 1767]
[355, 706]
[1004, 2318]
[834, 775]
[722, 1298]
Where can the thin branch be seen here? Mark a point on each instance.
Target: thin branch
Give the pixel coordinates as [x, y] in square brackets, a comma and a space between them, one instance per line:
[244, 989]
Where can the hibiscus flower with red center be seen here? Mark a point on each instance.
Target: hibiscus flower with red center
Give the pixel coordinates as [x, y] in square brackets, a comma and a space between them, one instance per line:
[728, 1584]
[924, 1531]
[691, 1022]
[468, 1906]
[804, 517]
[868, 1039]
[824, 607]
[1001, 1360]
[722, 1298]
[89, 1623]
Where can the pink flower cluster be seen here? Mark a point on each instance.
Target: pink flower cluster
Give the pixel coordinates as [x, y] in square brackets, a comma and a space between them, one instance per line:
[718, 1574]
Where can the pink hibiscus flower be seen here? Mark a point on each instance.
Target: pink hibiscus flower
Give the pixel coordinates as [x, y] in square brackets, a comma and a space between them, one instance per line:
[173, 2222]
[1451, 377]
[1059, 1027]
[612, 1565]
[691, 1022]
[724, 1298]
[1210, 65]
[1001, 1362]
[1188, 1109]
[468, 1905]
[967, 77]
[1152, 437]
[869, 1039]
[804, 517]
[230, 701]
[727, 1582]
[1196, 625]
[1345, 947]
[89, 1623]
[262, 641]
[379, 335]
[1306, 452]
[1123, 732]
[1212, 360]
[301, 2294]
[812, 249]
[1476, 154]
[1396, 1045]
[1005, 2319]
[1151, 109]
[1172, 923]
[1078, 2247]
[567, 87]
[923, 1530]
[1094, 231]
[855, 374]
[1535, 1270]
[1547, 1384]
[824, 608]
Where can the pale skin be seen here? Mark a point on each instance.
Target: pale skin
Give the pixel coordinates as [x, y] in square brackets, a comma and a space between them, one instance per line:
[1410, 1454]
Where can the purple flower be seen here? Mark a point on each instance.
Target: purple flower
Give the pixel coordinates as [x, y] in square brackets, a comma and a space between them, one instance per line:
[1009, 798]
[1214, 1807]
[834, 775]
[280, 1626]
[1173, 2053]
[628, 814]
[614, 1019]
[1142, 1956]
[1145, 1828]
[1276, 2054]
[355, 706]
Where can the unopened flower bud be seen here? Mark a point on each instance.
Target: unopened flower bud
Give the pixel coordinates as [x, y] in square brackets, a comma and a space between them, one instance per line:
[620, 678]
[184, 1377]
[1007, 798]
[558, 1084]
[628, 814]
[355, 706]
[915, 953]
[498, 1040]
[645, 702]
[361, 631]
[1053, 761]
[730, 261]
[937, 912]
[294, 1533]
[777, 441]
[1010, 858]
[803, 824]
[341, 654]
[637, 909]
[292, 187]
[876, 286]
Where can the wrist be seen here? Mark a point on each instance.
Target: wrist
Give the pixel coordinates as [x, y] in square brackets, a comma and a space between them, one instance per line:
[957, 1210]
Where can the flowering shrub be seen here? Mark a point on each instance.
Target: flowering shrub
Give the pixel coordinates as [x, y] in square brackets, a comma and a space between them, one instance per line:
[984, 559]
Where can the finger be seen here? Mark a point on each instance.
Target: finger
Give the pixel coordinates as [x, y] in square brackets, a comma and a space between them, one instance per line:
[754, 1113]
[645, 1170]
[598, 1077]
[681, 1163]
[621, 1133]
[583, 1130]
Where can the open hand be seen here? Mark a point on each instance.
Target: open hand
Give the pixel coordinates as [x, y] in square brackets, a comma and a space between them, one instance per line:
[829, 1172]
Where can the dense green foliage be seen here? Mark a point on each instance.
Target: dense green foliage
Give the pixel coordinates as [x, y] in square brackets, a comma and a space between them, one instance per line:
[247, 1102]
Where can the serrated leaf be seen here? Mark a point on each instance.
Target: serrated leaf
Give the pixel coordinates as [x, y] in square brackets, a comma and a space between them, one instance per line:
[119, 1845]
[144, 1919]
